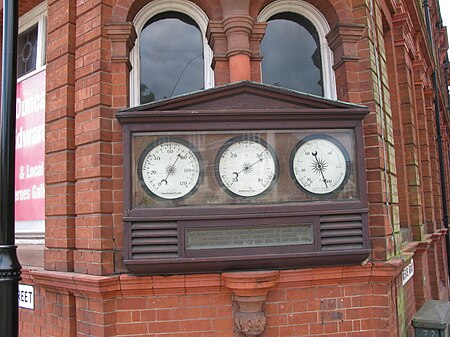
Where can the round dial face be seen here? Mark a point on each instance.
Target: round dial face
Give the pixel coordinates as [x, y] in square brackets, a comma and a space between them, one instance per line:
[320, 164]
[169, 169]
[246, 166]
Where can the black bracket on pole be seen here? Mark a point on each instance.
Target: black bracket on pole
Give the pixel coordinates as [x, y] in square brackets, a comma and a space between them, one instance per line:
[10, 268]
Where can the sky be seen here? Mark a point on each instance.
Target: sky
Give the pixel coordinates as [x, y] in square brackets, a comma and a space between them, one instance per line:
[445, 13]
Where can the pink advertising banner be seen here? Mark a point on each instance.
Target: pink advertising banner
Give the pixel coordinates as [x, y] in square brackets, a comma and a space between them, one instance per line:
[30, 149]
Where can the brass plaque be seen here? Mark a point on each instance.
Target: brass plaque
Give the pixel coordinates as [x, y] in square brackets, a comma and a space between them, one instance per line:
[249, 236]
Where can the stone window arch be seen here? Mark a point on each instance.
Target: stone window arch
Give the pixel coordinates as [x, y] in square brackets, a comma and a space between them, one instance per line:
[168, 18]
[285, 19]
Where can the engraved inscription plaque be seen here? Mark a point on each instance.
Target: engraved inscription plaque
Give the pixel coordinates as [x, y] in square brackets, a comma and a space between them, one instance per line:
[249, 236]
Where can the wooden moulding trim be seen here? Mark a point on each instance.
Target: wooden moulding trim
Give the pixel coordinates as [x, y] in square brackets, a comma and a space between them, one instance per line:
[240, 283]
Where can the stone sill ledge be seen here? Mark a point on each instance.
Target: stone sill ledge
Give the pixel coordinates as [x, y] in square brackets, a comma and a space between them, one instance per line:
[130, 285]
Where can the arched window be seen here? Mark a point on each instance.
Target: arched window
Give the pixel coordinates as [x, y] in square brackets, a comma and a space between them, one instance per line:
[171, 56]
[295, 52]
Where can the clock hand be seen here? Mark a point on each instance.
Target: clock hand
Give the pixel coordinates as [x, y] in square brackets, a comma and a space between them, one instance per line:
[320, 168]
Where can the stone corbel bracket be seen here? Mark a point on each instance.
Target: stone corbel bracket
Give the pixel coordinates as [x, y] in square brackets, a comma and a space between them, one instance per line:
[123, 37]
[343, 39]
[249, 295]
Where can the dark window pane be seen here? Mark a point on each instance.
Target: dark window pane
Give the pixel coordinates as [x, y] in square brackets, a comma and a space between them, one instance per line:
[291, 54]
[27, 51]
[171, 54]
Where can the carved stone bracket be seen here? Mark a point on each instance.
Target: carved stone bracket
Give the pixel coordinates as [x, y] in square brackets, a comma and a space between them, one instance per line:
[217, 40]
[403, 29]
[343, 39]
[249, 295]
[259, 29]
[123, 37]
[250, 318]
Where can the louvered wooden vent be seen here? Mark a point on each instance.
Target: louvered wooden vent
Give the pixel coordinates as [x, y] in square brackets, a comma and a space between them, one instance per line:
[155, 240]
[341, 232]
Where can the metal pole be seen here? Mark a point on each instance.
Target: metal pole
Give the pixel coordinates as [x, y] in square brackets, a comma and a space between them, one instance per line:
[10, 268]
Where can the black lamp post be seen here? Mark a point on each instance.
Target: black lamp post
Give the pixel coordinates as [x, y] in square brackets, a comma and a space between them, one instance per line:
[9, 264]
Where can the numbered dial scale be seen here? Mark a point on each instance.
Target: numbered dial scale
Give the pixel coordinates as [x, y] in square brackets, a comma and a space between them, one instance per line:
[170, 168]
[320, 165]
[246, 166]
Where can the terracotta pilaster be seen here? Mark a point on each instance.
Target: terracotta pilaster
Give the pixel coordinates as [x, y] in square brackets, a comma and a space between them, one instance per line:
[422, 289]
[420, 84]
[435, 171]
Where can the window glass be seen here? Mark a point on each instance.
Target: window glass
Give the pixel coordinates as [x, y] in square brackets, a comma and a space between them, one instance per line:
[291, 54]
[27, 51]
[171, 57]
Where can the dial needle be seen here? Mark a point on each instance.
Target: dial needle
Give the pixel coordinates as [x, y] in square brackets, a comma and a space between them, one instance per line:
[320, 168]
[170, 170]
[246, 168]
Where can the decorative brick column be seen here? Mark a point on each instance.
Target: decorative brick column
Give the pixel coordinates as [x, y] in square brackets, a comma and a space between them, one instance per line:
[60, 137]
[96, 161]
[343, 39]
[403, 28]
[422, 288]
[421, 84]
[358, 82]
[237, 24]
[123, 37]
[434, 159]
[235, 41]
[249, 295]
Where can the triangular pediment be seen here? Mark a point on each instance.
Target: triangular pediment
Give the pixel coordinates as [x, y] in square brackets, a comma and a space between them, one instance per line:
[244, 95]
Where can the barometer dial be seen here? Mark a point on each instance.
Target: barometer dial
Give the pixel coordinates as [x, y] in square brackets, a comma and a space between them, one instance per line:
[246, 166]
[320, 165]
[170, 169]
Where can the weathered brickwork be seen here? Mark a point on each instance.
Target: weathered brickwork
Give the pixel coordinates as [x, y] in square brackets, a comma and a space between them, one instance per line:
[349, 301]
[60, 140]
[382, 59]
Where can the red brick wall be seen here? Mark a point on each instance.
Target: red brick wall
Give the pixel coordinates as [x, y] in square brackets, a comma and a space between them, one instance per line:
[82, 293]
[338, 302]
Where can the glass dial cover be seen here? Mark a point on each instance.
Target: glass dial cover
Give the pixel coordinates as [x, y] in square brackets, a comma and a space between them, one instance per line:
[169, 169]
[246, 166]
[320, 165]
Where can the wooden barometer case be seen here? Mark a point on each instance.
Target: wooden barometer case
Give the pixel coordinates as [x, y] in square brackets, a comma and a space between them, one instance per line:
[244, 176]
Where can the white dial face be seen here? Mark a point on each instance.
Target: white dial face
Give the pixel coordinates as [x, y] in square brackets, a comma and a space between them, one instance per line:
[247, 167]
[169, 170]
[319, 165]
